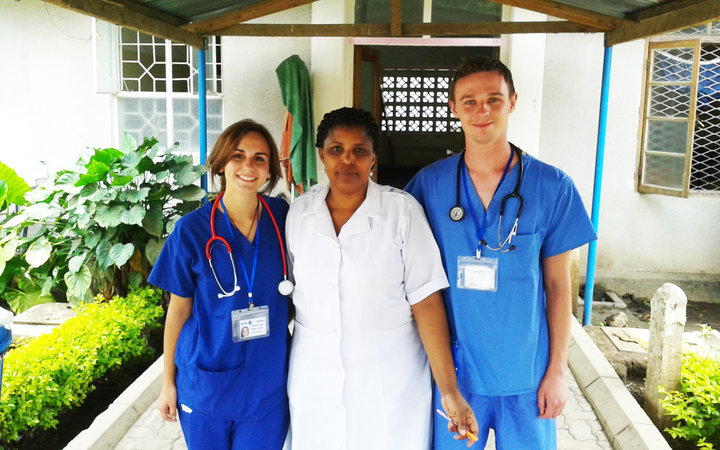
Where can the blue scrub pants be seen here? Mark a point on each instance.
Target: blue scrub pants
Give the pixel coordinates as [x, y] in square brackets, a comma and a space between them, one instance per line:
[513, 417]
[206, 432]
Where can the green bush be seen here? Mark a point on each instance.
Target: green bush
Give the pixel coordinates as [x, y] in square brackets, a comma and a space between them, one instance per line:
[56, 371]
[696, 406]
[97, 228]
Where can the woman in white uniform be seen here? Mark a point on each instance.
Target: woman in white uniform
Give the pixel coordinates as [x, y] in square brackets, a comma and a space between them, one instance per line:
[369, 313]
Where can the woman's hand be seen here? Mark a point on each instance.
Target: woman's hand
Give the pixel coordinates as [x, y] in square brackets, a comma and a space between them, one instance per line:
[463, 418]
[167, 403]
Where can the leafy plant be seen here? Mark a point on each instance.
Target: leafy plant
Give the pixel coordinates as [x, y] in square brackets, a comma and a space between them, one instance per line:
[12, 187]
[696, 406]
[56, 371]
[97, 228]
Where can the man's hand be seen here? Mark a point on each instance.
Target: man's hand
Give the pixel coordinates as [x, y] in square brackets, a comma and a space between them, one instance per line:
[552, 395]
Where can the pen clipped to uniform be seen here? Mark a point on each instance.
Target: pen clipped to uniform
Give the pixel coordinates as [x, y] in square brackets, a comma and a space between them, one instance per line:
[470, 436]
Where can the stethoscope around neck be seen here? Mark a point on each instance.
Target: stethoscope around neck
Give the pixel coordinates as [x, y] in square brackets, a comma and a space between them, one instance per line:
[285, 287]
[457, 212]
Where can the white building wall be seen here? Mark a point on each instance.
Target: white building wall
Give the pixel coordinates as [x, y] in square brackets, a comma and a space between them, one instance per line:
[644, 240]
[49, 110]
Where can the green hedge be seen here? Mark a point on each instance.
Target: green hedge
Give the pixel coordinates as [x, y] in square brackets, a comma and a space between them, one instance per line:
[56, 371]
[695, 408]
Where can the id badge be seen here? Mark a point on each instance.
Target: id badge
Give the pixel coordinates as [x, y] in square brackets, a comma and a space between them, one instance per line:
[477, 274]
[250, 323]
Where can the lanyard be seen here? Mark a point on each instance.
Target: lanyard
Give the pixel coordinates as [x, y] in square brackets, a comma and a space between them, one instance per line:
[250, 281]
[480, 225]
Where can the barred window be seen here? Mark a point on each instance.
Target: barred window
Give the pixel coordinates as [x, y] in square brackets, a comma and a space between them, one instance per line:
[416, 100]
[156, 85]
[680, 151]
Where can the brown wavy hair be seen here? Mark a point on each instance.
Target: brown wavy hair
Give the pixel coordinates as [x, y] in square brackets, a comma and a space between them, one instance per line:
[227, 143]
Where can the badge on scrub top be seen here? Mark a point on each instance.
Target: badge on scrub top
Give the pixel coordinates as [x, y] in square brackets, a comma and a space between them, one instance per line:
[251, 323]
[479, 274]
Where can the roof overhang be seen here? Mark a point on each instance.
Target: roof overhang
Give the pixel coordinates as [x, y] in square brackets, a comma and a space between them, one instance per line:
[189, 21]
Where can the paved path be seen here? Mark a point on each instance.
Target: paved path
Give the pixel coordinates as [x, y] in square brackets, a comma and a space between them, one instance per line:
[578, 428]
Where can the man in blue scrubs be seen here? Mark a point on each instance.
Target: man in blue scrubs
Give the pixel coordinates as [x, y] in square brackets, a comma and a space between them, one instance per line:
[509, 298]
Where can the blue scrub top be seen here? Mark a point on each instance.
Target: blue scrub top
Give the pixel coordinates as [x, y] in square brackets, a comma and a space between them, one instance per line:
[215, 376]
[502, 336]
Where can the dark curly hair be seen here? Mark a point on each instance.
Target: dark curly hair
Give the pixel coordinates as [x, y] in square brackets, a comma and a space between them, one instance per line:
[481, 64]
[351, 118]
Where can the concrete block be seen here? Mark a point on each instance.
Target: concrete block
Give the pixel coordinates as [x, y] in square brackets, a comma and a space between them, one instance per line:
[585, 359]
[640, 437]
[616, 408]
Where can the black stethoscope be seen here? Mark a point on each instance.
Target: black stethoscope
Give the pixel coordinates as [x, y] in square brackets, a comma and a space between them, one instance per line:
[285, 287]
[457, 212]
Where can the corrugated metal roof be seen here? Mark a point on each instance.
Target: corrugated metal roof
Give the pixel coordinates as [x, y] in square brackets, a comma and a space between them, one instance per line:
[188, 21]
[194, 10]
[615, 8]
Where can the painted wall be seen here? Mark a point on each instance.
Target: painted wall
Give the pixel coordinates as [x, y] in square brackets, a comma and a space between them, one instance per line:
[49, 110]
[644, 240]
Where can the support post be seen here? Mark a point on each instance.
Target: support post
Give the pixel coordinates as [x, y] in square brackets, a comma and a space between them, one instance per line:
[667, 324]
[597, 188]
[202, 112]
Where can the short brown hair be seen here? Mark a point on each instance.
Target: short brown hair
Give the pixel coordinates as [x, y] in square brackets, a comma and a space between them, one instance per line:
[227, 143]
[481, 64]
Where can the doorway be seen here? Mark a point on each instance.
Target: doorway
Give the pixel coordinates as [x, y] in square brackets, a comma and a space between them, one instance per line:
[406, 88]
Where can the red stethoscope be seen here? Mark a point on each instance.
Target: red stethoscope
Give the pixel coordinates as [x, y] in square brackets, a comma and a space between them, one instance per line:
[285, 287]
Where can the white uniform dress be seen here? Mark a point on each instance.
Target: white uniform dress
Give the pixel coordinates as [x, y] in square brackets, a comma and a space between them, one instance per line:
[359, 377]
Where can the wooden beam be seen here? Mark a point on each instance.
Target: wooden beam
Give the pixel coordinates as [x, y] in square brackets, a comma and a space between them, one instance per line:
[567, 12]
[396, 17]
[210, 26]
[120, 15]
[691, 14]
[408, 29]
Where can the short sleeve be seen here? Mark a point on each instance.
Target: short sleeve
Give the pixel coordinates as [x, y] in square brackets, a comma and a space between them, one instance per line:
[424, 273]
[172, 270]
[570, 226]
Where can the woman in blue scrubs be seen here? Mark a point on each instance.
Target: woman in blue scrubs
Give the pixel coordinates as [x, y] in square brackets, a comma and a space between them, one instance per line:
[226, 330]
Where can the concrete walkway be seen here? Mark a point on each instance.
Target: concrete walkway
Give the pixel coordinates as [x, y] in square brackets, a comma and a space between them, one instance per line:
[578, 428]
[600, 413]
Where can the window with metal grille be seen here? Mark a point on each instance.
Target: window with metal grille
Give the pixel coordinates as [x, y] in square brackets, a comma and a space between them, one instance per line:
[156, 85]
[416, 100]
[680, 151]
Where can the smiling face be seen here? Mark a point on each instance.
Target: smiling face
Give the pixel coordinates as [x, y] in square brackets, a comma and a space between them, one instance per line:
[348, 156]
[249, 166]
[483, 104]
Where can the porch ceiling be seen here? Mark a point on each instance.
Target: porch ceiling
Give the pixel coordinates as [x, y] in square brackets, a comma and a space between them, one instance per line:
[188, 21]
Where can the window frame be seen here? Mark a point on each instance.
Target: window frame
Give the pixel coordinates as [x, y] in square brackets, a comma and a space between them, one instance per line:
[646, 188]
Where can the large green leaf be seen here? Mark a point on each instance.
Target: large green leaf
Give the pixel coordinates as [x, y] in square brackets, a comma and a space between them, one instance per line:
[106, 156]
[14, 221]
[189, 193]
[135, 195]
[39, 252]
[16, 186]
[76, 262]
[152, 249]
[20, 301]
[153, 221]
[96, 171]
[40, 211]
[108, 217]
[133, 216]
[121, 180]
[8, 247]
[119, 253]
[102, 253]
[128, 144]
[78, 282]
[188, 176]
[131, 159]
[3, 192]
